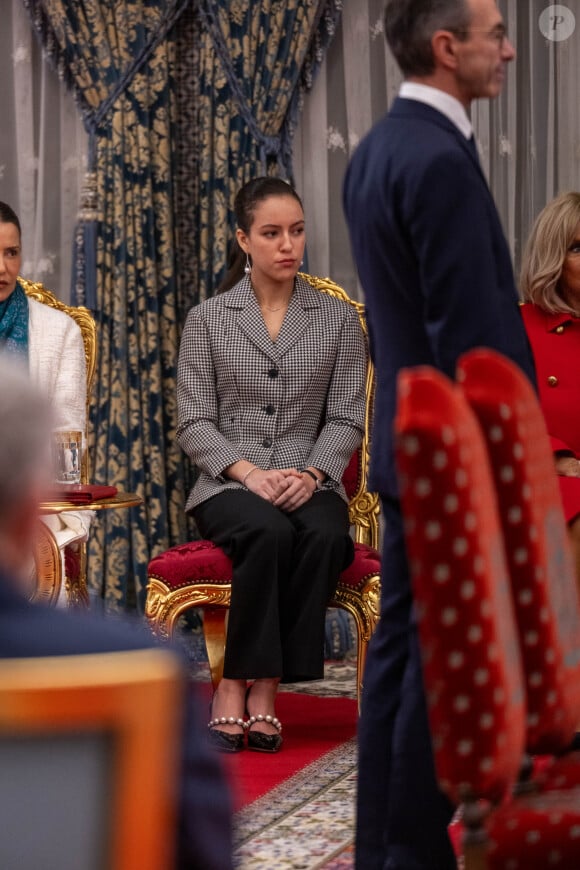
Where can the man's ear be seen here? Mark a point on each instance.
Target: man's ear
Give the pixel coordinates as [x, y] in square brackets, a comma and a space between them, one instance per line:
[444, 47]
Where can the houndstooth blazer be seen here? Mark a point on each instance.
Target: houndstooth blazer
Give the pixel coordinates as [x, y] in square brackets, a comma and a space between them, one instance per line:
[291, 403]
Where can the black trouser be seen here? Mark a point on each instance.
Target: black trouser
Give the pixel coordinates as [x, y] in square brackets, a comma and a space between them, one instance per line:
[286, 567]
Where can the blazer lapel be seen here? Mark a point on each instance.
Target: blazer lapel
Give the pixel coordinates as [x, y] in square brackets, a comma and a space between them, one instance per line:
[416, 109]
[297, 318]
[249, 319]
[251, 322]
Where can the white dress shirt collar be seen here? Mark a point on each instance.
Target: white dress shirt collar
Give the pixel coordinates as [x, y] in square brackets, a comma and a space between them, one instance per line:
[443, 102]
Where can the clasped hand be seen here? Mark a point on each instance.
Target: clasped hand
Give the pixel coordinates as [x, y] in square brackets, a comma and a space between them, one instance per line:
[285, 488]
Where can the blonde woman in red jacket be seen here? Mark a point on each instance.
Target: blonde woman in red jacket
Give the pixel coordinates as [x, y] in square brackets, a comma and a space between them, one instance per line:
[550, 284]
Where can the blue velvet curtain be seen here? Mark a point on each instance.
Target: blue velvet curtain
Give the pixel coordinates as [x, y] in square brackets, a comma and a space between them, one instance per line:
[118, 57]
[248, 64]
[243, 67]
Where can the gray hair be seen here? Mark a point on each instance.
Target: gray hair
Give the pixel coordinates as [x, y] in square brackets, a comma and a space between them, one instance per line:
[25, 425]
[410, 25]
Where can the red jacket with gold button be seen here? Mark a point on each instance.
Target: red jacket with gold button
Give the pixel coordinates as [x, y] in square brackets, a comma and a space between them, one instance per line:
[555, 341]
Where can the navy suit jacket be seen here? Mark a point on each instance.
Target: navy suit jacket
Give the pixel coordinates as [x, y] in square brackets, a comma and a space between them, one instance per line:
[432, 258]
[204, 836]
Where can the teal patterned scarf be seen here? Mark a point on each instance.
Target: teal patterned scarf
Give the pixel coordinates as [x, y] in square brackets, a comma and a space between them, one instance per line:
[14, 323]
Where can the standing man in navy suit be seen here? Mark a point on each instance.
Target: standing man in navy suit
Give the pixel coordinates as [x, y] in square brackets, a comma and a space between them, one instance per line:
[438, 280]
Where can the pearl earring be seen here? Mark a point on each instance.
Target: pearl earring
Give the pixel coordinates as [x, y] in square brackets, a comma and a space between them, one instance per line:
[248, 266]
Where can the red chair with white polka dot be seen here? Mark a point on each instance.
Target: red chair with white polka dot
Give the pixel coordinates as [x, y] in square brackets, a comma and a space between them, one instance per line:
[543, 580]
[471, 656]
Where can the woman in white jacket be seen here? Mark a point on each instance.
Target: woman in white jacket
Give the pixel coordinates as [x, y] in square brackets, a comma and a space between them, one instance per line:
[51, 344]
[56, 361]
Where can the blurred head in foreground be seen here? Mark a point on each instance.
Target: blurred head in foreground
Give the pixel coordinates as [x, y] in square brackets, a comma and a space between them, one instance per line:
[24, 465]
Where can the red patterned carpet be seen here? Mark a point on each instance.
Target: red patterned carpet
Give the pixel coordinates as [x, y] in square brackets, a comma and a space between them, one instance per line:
[296, 809]
[312, 726]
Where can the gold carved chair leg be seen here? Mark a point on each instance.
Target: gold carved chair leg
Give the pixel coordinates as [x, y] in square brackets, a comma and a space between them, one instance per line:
[48, 567]
[474, 857]
[364, 607]
[77, 593]
[214, 630]
[361, 657]
[362, 636]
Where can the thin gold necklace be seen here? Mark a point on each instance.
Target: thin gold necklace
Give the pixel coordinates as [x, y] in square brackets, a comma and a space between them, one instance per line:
[263, 305]
[267, 307]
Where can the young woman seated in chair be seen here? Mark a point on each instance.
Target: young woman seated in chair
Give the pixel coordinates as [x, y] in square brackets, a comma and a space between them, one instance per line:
[271, 402]
[50, 344]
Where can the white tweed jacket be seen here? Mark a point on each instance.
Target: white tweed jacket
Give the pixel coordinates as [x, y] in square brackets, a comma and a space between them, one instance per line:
[291, 403]
[56, 360]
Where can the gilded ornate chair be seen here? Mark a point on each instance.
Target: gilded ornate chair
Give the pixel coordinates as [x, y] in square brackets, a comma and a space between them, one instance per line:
[89, 760]
[48, 567]
[475, 683]
[198, 574]
[48, 572]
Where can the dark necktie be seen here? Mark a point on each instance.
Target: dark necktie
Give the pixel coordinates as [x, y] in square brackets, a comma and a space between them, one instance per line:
[473, 147]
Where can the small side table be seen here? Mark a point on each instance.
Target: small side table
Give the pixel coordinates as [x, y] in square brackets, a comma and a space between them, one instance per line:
[48, 565]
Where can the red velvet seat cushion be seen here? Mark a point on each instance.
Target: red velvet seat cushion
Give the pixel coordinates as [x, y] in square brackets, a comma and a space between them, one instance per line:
[471, 660]
[536, 832]
[204, 562]
[542, 573]
[194, 562]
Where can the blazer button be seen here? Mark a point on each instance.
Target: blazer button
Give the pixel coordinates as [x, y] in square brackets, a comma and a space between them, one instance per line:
[559, 330]
[267, 442]
[270, 409]
[552, 381]
[273, 373]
